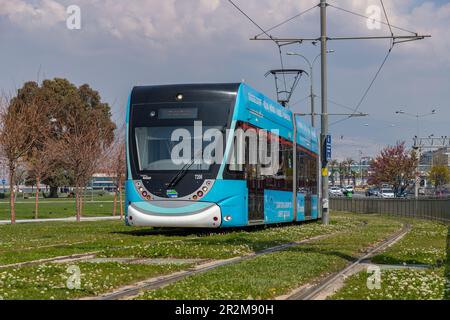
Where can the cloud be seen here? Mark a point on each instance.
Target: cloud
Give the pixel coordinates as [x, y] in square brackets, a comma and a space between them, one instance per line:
[123, 43]
[46, 13]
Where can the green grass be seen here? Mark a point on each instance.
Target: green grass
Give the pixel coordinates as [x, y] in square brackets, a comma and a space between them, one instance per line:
[427, 243]
[229, 244]
[49, 281]
[263, 277]
[271, 275]
[424, 244]
[396, 285]
[56, 208]
[25, 242]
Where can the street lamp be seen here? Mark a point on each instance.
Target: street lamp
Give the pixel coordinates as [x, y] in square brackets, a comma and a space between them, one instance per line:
[418, 116]
[311, 67]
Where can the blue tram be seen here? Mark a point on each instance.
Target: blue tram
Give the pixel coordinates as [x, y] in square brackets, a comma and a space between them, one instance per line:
[195, 191]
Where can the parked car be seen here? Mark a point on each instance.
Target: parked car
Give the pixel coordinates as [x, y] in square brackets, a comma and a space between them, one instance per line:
[347, 189]
[387, 193]
[373, 192]
[336, 191]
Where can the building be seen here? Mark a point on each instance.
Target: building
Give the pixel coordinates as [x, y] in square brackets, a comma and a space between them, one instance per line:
[102, 181]
[441, 157]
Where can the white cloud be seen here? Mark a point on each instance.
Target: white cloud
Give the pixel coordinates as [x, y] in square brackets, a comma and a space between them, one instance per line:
[44, 14]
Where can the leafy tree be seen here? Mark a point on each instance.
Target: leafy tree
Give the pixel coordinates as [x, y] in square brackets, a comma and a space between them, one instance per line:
[439, 175]
[395, 165]
[334, 164]
[59, 100]
[348, 164]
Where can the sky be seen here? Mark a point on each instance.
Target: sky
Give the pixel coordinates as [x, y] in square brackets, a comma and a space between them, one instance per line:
[145, 42]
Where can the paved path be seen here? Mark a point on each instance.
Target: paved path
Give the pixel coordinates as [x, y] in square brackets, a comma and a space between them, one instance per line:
[69, 219]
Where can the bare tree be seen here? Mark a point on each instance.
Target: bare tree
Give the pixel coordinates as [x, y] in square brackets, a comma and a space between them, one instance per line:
[38, 160]
[39, 167]
[16, 122]
[81, 146]
[119, 167]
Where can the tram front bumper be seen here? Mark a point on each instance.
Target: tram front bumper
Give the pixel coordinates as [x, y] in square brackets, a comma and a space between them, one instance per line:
[207, 217]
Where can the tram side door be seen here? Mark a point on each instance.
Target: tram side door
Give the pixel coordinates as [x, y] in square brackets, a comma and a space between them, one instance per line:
[255, 190]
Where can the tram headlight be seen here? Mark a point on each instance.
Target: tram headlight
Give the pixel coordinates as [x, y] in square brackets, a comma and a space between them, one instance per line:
[200, 194]
[179, 97]
[205, 189]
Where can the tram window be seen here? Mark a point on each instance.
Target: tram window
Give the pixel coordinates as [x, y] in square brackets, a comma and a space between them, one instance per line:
[306, 172]
[286, 165]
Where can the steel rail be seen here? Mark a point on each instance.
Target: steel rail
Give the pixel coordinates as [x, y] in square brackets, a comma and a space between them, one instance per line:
[313, 292]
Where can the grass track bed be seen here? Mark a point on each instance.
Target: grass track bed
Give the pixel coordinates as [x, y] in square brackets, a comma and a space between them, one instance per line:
[271, 275]
[49, 281]
[405, 284]
[20, 243]
[427, 243]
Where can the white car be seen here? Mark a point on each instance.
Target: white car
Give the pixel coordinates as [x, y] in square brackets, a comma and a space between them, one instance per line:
[387, 193]
[348, 189]
[336, 191]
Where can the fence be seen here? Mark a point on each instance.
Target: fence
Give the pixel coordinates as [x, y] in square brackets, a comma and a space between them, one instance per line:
[432, 209]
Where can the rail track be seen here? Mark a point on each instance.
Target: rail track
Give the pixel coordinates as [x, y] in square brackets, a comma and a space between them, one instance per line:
[86, 255]
[324, 287]
[132, 291]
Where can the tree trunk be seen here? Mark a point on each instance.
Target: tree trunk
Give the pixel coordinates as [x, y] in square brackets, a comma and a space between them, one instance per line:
[36, 199]
[11, 194]
[53, 192]
[81, 202]
[77, 203]
[115, 204]
[120, 203]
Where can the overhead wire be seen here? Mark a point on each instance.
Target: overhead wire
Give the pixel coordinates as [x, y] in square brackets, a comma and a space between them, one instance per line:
[370, 18]
[268, 35]
[287, 20]
[366, 92]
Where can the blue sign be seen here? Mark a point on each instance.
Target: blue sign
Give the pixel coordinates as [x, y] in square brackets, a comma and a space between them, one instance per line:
[328, 148]
[3, 181]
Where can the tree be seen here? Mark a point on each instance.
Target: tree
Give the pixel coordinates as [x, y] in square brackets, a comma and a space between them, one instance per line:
[81, 148]
[16, 121]
[395, 165]
[439, 175]
[348, 164]
[334, 169]
[58, 98]
[38, 160]
[117, 168]
[342, 170]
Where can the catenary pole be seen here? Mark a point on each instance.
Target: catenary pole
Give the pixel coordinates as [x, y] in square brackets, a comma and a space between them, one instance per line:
[324, 116]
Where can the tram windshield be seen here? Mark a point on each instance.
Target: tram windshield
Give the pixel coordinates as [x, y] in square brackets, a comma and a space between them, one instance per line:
[170, 148]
